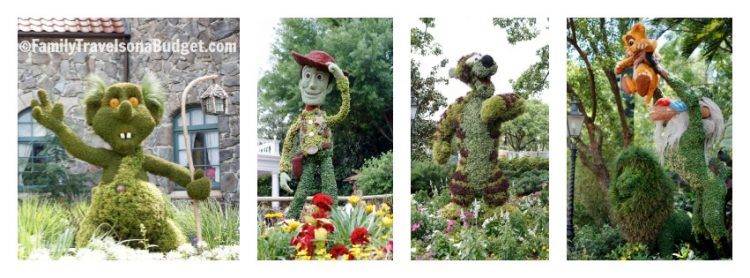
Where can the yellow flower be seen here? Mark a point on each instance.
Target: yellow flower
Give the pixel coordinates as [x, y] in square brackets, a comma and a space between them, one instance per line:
[369, 209]
[386, 221]
[385, 208]
[291, 225]
[273, 215]
[380, 213]
[354, 199]
[321, 234]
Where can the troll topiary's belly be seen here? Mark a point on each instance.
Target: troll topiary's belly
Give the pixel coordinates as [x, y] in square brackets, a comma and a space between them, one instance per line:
[132, 209]
[479, 144]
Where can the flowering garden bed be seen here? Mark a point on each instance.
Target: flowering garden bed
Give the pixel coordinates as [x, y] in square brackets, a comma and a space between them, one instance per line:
[517, 230]
[356, 231]
[47, 229]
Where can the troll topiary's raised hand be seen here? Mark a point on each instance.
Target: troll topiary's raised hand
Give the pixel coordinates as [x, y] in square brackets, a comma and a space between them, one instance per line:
[311, 134]
[474, 121]
[124, 202]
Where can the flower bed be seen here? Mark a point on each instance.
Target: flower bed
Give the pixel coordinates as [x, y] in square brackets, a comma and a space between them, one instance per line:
[356, 231]
[518, 230]
[47, 228]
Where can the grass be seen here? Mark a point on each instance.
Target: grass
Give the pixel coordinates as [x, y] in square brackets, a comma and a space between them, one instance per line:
[52, 224]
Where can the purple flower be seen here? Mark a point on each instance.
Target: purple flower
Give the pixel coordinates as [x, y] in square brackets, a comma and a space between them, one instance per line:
[450, 226]
[416, 226]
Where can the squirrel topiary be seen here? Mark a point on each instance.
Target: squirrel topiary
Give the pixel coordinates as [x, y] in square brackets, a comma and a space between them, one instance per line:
[124, 202]
[474, 121]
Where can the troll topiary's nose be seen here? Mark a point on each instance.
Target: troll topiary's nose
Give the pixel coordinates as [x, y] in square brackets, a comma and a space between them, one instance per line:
[125, 112]
[487, 61]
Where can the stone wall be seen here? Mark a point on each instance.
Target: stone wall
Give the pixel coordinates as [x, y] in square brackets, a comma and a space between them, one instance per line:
[62, 75]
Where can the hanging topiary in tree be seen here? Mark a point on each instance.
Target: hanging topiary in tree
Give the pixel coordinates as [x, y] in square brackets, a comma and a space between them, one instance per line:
[474, 122]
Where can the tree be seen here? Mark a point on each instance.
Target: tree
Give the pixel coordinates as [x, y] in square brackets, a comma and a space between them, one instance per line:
[528, 130]
[534, 79]
[424, 88]
[593, 50]
[364, 47]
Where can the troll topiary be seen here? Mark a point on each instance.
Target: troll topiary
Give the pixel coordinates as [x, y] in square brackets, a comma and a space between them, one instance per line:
[474, 121]
[641, 198]
[311, 134]
[689, 159]
[124, 202]
[643, 58]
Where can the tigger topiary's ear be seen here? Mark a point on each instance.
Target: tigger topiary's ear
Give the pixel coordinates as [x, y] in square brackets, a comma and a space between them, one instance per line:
[153, 95]
[94, 95]
[452, 73]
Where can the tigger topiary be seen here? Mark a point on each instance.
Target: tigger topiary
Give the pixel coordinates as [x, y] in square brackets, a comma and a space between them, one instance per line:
[474, 121]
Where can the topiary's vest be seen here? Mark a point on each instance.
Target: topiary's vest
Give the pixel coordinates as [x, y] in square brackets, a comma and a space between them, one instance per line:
[314, 134]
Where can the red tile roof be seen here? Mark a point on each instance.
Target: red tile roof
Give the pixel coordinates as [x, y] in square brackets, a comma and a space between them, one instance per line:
[71, 25]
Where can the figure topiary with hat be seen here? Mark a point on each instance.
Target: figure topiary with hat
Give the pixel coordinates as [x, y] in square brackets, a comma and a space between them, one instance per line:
[310, 134]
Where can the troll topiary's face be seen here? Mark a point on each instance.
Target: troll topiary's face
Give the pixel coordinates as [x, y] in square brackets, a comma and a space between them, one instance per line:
[123, 114]
[474, 67]
[315, 85]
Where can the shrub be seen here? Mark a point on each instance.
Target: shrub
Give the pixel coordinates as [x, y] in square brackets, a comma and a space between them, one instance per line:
[429, 177]
[376, 175]
[529, 182]
[596, 242]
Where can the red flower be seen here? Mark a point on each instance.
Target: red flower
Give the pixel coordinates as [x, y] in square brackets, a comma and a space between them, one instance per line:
[323, 201]
[360, 236]
[338, 251]
[304, 239]
[320, 214]
[389, 248]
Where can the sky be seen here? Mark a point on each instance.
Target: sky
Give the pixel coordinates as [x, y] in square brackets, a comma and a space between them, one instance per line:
[459, 36]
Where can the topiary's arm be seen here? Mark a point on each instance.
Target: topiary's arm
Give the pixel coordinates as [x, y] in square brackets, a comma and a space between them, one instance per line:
[286, 149]
[622, 65]
[502, 108]
[161, 167]
[446, 128]
[198, 189]
[342, 83]
[51, 117]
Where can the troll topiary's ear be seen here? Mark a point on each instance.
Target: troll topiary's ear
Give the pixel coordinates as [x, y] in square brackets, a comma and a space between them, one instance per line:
[153, 95]
[94, 95]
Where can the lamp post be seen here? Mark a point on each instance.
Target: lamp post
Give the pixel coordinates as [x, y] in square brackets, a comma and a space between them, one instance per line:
[575, 122]
[213, 101]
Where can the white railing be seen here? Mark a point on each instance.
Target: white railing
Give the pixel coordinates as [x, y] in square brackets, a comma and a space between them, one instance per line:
[519, 154]
[268, 146]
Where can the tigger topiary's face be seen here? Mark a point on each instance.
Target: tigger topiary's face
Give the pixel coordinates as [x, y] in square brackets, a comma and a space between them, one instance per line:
[474, 67]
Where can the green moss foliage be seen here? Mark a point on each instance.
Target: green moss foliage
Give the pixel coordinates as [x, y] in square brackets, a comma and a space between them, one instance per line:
[689, 162]
[124, 202]
[641, 195]
[473, 122]
[311, 134]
